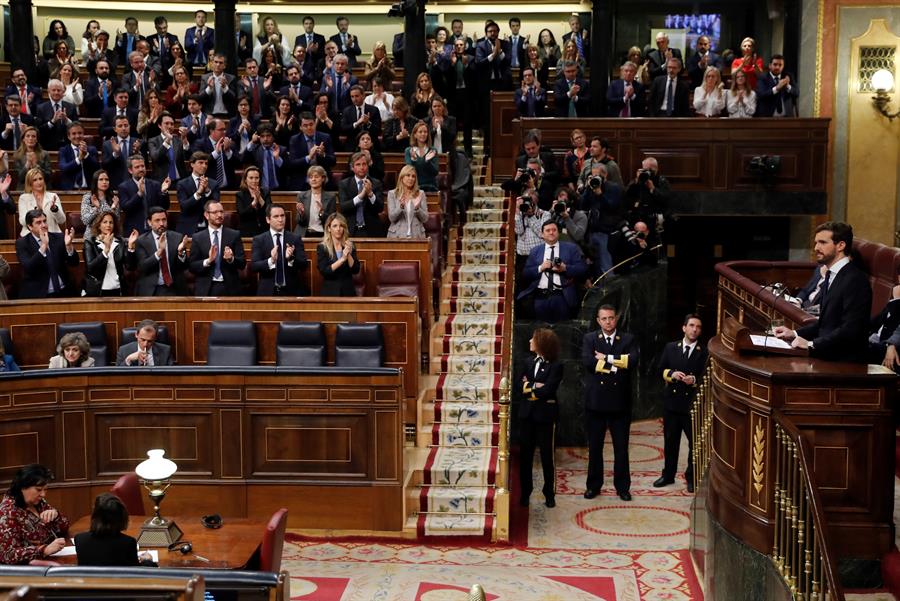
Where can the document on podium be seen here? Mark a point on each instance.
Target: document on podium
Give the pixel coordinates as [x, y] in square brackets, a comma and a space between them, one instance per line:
[769, 342]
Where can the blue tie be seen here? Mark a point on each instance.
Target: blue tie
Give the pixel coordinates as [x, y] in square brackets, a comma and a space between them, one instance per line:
[130, 46]
[105, 94]
[173, 171]
[217, 272]
[360, 218]
[270, 164]
[572, 111]
[670, 97]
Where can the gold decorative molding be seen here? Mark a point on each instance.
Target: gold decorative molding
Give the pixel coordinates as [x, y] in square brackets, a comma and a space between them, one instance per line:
[820, 26]
[759, 425]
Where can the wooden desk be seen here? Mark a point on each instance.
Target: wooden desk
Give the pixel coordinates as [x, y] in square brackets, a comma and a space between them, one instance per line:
[229, 548]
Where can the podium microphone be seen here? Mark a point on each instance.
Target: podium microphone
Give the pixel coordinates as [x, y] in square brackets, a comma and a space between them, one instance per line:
[779, 290]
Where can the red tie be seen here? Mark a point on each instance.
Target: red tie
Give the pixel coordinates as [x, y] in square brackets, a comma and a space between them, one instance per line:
[164, 267]
[24, 98]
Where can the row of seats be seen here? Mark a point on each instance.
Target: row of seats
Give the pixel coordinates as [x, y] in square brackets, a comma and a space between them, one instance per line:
[234, 343]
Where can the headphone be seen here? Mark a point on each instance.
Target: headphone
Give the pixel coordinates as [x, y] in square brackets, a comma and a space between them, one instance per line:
[184, 546]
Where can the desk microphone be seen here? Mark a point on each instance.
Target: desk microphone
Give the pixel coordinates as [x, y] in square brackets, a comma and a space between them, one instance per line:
[779, 290]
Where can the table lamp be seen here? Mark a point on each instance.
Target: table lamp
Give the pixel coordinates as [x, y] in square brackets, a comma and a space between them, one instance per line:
[155, 473]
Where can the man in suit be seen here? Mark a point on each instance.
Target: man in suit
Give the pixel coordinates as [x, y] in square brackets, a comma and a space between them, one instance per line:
[531, 98]
[660, 56]
[13, 124]
[841, 332]
[218, 90]
[217, 255]
[162, 41]
[138, 80]
[668, 94]
[299, 94]
[145, 351]
[571, 94]
[347, 43]
[99, 91]
[193, 193]
[493, 73]
[138, 193]
[29, 95]
[336, 84]
[199, 40]
[608, 356]
[360, 117]
[361, 200]
[103, 53]
[268, 155]
[776, 91]
[456, 33]
[884, 333]
[277, 256]
[77, 160]
[461, 84]
[312, 41]
[151, 61]
[551, 273]
[224, 158]
[581, 36]
[121, 108]
[306, 149]
[44, 258]
[196, 121]
[258, 90]
[116, 151]
[126, 41]
[625, 97]
[168, 149]
[160, 258]
[701, 59]
[398, 47]
[532, 150]
[682, 365]
[54, 116]
[518, 44]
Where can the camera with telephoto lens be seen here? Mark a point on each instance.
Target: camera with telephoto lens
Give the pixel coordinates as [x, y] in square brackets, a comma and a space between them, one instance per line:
[644, 176]
[525, 207]
[595, 182]
[560, 207]
[527, 174]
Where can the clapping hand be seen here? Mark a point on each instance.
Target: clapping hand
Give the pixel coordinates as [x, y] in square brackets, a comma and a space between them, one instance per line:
[166, 183]
[69, 236]
[289, 251]
[213, 253]
[228, 254]
[185, 241]
[132, 239]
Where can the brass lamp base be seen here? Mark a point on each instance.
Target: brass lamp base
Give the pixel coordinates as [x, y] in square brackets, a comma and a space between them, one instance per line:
[158, 533]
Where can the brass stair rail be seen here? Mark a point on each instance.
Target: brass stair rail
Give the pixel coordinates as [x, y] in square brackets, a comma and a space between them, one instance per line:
[701, 422]
[801, 550]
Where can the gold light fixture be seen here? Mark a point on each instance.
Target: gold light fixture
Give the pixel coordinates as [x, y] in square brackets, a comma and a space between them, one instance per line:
[155, 473]
[883, 82]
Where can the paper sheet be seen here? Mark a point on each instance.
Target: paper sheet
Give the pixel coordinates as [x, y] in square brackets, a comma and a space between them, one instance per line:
[65, 552]
[769, 341]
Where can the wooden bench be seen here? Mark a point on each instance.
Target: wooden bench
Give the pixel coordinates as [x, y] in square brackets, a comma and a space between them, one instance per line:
[164, 589]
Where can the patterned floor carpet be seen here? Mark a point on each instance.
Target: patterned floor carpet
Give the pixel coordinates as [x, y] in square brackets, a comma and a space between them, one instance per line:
[580, 550]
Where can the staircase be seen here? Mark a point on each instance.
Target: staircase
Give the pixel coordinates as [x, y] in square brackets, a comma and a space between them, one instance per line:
[451, 490]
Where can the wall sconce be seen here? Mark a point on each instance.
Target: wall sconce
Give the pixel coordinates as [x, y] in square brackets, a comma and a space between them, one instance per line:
[883, 82]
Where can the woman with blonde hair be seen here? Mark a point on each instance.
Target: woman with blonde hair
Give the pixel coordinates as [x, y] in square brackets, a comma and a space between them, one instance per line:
[709, 98]
[541, 67]
[37, 196]
[749, 62]
[73, 350]
[270, 36]
[407, 206]
[29, 155]
[741, 99]
[336, 258]
[570, 53]
[422, 156]
[642, 75]
[421, 101]
[379, 65]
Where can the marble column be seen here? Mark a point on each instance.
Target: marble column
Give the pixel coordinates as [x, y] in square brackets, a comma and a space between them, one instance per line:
[21, 31]
[226, 31]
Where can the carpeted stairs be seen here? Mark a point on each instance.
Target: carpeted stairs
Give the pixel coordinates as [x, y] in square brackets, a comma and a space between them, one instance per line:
[460, 415]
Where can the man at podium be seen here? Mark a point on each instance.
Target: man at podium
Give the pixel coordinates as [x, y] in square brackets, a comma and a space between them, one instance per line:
[845, 302]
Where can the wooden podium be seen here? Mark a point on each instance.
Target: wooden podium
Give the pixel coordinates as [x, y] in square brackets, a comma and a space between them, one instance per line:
[842, 410]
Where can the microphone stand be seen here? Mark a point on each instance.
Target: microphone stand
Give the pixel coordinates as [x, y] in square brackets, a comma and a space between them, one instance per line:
[780, 289]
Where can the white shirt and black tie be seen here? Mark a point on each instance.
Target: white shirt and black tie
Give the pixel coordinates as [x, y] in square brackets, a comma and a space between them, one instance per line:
[551, 252]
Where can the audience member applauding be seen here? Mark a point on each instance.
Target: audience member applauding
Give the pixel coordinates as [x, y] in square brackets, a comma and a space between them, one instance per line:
[776, 93]
[74, 91]
[660, 56]
[298, 93]
[361, 200]
[99, 199]
[641, 64]
[441, 126]
[106, 544]
[307, 148]
[270, 38]
[105, 256]
[54, 116]
[30, 528]
[541, 68]
[116, 151]
[573, 162]
[359, 117]
[77, 160]
[145, 351]
[99, 91]
[268, 156]
[7, 361]
[159, 257]
[336, 258]
[224, 160]
[44, 257]
[62, 55]
[252, 201]
[380, 99]
[578, 36]
[199, 39]
[315, 205]
[73, 350]
[365, 144]
[548, 49]
[423, 157]
[286, 123]
[709, 99]
[217, 255]
[668, 94]
[379, 66]
[30, 156]
[149, 121]
[337, 82]
[178, 93]
[531, 98]
[625, 97]
[571, 93]
[740, 99]
[36, 196]
[193, 193]
[421, 100]
[13, 124]
[277, 257]
[407, 206]
[701, 60]
[397, 131]
[102, 52]
[218, 89]
[120, 109]
[749, 63]
[138, 193]
[570, 54]
[325, 120]
[242, 126]
[177, 58]
[57, 32]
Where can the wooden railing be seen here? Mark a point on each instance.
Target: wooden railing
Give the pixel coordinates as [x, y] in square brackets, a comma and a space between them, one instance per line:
[801, 549]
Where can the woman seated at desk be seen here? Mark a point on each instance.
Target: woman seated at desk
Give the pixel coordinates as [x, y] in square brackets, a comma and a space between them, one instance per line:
[73, 350]
[106, 544]
[29, 528]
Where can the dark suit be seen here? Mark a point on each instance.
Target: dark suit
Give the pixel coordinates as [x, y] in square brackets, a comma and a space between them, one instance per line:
[448, 133]
[34, 91]
[196, 48]
[134, 206]
[336, 282]
[561, 99]
[115, 550]
[158, 47]
[194, 133]
[53, 134]
[351, 52]
[329, 206]
[554, 304]
[585, 43]
[145, 262]
[298, 165]
[257, 155]
[117, 166]
[607, 401]
[71, 172]
[162, 354]
[109, 55]
[339, 92]
[538, 413]
[232, 163]
[191, 218]
[842, 330]
[108, 120]
[96, 263]
[260, 255]
[8, 142]
[658, 94]
[122, 45]
[349, 117]
[229, 94]
[657, 65]
[694, 70]
[615, 99]
[252, 219]
[159, 154]
[548, 162]
[93, 97]
[678, 398]
[304, 94]
[767, 101]
[36, 268]
[531, 104]
[136, 95]
[348, 190]
[231, 271]
[317, 39]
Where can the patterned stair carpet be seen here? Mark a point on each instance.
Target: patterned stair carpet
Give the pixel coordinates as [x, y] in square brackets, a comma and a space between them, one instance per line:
[581, 550]
[457, 495]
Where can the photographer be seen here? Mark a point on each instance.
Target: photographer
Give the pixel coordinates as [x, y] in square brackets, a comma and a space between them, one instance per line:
[551, 272]
[532, 150]
[599, 153]
[528, 221]
[531, 177]
[648, 196]
[632, 241]
[572, 223]
[602, 201]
